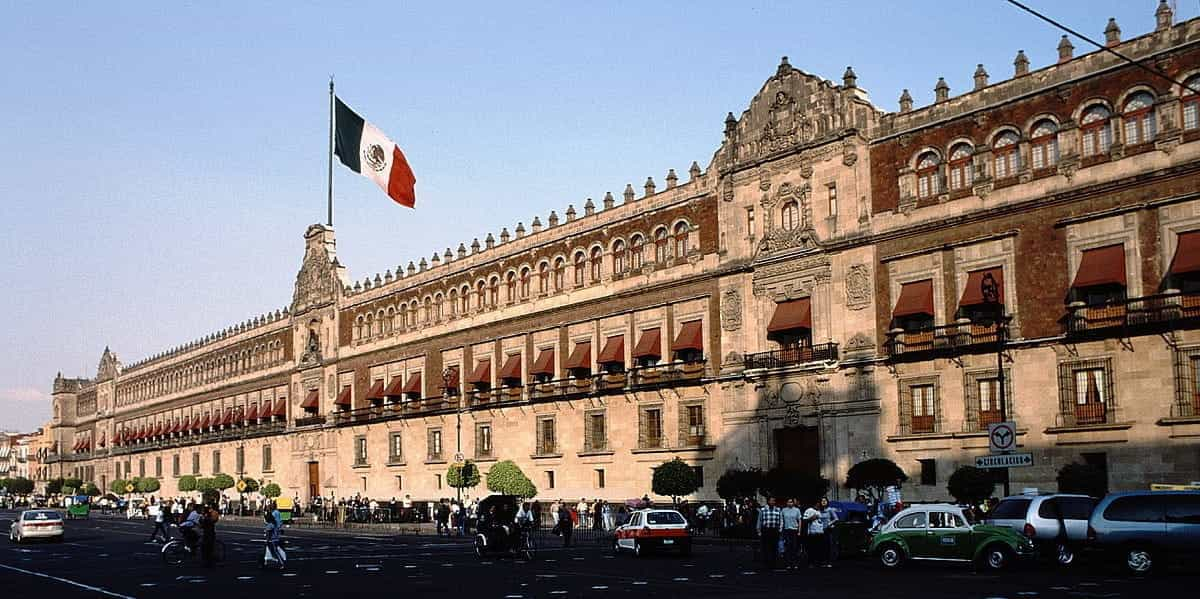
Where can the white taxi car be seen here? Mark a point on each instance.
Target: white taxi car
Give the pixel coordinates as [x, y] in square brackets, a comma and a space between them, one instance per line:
[36, 524]
[653, 529]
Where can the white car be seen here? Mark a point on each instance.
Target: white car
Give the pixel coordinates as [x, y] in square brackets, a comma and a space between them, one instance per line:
[653, 529]
[36, 524]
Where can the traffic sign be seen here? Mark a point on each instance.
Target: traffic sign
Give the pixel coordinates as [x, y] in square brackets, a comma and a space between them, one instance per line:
[241, 486]
[1002, 437]
[459, 458]
[1007, 460]
[128, 488]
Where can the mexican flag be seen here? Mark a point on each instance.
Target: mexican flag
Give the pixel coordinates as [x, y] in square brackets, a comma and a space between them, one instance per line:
[367, 151]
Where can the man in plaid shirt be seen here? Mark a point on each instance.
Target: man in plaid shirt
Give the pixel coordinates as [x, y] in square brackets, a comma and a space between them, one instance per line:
[770, 520]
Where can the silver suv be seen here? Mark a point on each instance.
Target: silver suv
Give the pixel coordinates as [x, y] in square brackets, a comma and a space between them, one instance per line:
[1143, 528]
[1057, 524]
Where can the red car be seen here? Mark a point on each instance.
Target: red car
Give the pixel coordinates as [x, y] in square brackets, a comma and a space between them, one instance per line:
[652, 530]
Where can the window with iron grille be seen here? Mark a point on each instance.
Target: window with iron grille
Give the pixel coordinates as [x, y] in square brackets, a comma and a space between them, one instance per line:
[982, 394]
[142, 467]
[650, 427]
[395, 448]
[158, 467]
[434, 445]
[483, 440]
[175, 465]
[240, 459]
[920, 406]
[928, 472]
[216, 461]
[1085, 389]
[1187, 382]
[595, 431]
[195, 463]
[546, 441]
[266, 458]
[360, 450]
[691, 424]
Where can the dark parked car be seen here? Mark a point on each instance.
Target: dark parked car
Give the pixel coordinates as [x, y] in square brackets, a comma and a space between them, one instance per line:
[1145, 528]
[1057, 524]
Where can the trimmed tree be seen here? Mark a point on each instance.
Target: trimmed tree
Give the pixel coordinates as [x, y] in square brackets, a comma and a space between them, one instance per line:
[147, 484]
[222, 481]
[971, 485]
[72, 483]
[739, 484]
[19, 485]
[186, 483]
[272, 490]
[507, 478]
[90, 489]
[118, 486]
[872, 477]
[674, 479]
[805, 487]
[465, 476]
[54, 487]
[1085, 479]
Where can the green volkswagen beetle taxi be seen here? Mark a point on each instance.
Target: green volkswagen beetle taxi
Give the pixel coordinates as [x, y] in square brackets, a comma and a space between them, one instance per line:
[945, 532]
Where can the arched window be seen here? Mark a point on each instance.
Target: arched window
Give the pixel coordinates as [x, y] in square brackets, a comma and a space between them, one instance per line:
[544, 278]
[428, 313]
[790, 215]
[1138, 116]
[636, 249]
[380, 321]
[465, 298]
[1005, 160]
[960, 166]
[511, 287]
[580, 267]
[453, 303]
[1096, 131]
[525, 283]
[412, 314]
[398, 319]
[438, 300]
[681, 239]
[494, 292]
[389, 321]
[927, 175]
[618, 257]
[597, 256]
[481, 296]
[560, 274]
[1191, 104]
[370, 330]
[1043, 144]
[358, 328]
[660, 246]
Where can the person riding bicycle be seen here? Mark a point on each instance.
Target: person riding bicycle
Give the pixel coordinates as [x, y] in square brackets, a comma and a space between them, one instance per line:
[274, 530]
[191, 536]
[208, 522]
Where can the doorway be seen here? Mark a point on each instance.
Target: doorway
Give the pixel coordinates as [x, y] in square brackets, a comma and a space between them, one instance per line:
[798, 448]
[314, 480]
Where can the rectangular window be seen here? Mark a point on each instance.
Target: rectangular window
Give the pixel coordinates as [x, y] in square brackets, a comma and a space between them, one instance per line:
[833, 200]
[1085, 392]
[928, 472]
[157, 467]
[239, 457]
[216, 461]
[546, 438]
[599, 478]
[360, 450]
[399, 482]
[698, 472]
[142, 467]
[435, 446]
[175, 465]
[595, 432]
[650, 428]
[438, 481]
[923, 408]
[483, 440]
[195, 463]
[549, 479]
[395, 448]
[694, 423]
[750, 221]
[266, 458]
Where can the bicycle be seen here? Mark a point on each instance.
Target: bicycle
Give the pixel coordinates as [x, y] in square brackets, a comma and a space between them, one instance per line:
[177, 550]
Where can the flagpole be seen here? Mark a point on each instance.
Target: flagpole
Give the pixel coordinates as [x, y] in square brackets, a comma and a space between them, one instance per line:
[330, 180]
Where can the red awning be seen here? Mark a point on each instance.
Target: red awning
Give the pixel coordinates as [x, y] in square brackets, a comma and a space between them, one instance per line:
[791, 315]
[649, 345]
[196, 422]
[973, 292]
[581, 356]
[281, 406]
[614, 350]
[206, 421]
[252, 413]
[158, 429]
[75, 447]
[915, 298]
[414, 383]
[544, 364]
[228, 417]
[482, 373]
[396, 387]
[691, 336]
[178, 426]
[311, 401]
[1187, 254]
[376, 391]
[1101, 266]
[343, 398]
[511, 368]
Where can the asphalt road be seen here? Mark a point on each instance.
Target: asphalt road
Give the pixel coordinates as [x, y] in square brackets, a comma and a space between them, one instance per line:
[112, 558]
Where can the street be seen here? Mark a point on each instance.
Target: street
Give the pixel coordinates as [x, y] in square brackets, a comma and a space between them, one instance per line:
[111, 557]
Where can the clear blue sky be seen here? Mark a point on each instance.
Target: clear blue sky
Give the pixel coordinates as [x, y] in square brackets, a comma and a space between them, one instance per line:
[160, 161]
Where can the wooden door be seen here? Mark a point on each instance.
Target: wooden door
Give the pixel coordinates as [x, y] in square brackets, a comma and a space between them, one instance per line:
[314, 478]
[798, 448]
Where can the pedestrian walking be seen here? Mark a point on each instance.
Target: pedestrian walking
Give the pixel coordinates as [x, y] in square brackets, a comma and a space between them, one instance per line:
[814, 535]
[566, 525]
[770, 521]
[790, 527]
[274, 535]
[828, 518]
[158, 511]
[208, 544]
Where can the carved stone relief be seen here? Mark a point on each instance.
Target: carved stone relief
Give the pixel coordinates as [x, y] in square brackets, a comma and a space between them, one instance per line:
[860, 342]
[731, 310]
[858, 286]
[317, 282]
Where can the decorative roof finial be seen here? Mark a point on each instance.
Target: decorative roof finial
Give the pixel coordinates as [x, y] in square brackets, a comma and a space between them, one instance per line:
[628, 193]
[1065, 49]
[1164, 17]
[608, 201]
[694, 171]
[941, 91]
[1112, 33]
[849, 79]
[906, 101]
[981, 77]
[649, 186]
[1020, 64]
[672, 178]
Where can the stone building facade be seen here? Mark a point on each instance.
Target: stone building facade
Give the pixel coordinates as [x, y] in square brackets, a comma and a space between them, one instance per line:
[811, 299]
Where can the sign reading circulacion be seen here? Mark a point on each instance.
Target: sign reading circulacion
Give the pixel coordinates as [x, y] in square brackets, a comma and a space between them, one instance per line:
[1002, 437]
[1008, 460]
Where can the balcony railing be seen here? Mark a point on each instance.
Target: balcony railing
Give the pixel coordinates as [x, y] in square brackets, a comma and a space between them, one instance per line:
[948, 338]
[792, 355]
[1083, 414]
[670, 374]
[1167, 310]
[316, 419]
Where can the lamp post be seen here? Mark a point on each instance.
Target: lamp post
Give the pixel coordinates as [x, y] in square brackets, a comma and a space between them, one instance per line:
[990, 290]
[447, 375]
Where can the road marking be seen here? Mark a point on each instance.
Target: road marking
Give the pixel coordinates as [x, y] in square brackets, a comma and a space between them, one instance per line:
[716, 576]
[289, 574]
[149, 584]
[245, 578]
[599, 587]
[684, 579]
[332, 572]
[639, 583]
[67, 581]
[558, 592]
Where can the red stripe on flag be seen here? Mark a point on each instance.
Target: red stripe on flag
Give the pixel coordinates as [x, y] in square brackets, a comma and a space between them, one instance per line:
[401, 180]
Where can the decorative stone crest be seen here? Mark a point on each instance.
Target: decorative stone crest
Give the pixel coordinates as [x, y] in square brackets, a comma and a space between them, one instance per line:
[312, 348]
[860, 342]
[109, 366]
[792, 416]
[731, 310]
[858, 286]
[779, 238]
[317, 281]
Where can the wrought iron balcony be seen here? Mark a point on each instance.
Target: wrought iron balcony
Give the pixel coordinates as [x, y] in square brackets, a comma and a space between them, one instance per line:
[1152, 312]
[313, 420]
[671, 374]
[959, 337]
[792, 356]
